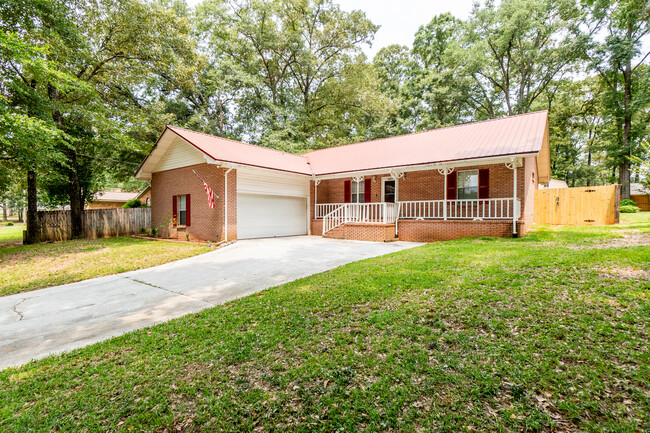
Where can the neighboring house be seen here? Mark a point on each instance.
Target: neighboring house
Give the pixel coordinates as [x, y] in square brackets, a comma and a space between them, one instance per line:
[476, 179]
[553, 184]
[145, 196]
[641, 195]
[117, 199]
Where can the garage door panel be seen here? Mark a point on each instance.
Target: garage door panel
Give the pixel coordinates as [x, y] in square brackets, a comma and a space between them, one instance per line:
[261, 216]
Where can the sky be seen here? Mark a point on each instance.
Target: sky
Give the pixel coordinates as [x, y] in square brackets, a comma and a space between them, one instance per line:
[399, 19]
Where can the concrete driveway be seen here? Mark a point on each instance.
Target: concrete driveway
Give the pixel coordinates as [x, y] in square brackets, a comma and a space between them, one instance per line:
[42, 322]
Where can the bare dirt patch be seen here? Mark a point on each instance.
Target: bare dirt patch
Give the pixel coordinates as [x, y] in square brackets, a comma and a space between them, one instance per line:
[629, 239]
[626, 273]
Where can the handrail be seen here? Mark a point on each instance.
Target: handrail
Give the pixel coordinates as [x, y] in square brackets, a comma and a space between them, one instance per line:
[368, 213]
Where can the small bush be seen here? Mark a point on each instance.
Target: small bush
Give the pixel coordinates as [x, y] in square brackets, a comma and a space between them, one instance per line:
[144, 231]
[133, 203]
[154, 232]
[629, 209]
[628, 202]
[9, 224]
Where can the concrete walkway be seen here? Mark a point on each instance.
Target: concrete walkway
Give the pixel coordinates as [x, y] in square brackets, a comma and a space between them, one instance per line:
[42, 322]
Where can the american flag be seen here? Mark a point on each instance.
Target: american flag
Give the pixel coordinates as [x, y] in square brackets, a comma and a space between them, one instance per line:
[208, 191]
[210, 194]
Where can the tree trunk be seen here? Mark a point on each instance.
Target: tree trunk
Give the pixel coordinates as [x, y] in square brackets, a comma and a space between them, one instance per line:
[33, 232]
[624, 167]
[589, 167]
[76, 201]
[21, 212]
[4, 210]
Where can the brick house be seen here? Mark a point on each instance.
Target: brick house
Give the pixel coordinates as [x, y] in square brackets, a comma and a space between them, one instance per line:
[476, 179]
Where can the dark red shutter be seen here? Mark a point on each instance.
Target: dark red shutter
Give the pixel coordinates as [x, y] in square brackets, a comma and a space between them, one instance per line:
[484, 183]
[187, 209]
[367, 190]
[347, 192]
[451, 186]
[174, 210]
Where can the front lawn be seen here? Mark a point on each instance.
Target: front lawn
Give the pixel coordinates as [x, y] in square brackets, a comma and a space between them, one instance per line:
[11, 235]
[545, 333]
[29, 267]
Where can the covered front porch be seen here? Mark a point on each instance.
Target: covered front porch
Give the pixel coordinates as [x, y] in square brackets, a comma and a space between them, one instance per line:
[426, 204]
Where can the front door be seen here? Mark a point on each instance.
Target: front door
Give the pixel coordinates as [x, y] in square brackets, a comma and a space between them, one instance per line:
[388, 190]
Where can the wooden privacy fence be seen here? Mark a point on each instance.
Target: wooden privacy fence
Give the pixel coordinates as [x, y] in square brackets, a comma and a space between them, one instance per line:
[642, 200]
[55, 225]
[591, 205]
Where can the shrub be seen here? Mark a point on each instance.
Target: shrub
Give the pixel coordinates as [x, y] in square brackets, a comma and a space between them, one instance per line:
[629, 209]
[9, 224]
[154, 232]
[628, 202]
[134, 202]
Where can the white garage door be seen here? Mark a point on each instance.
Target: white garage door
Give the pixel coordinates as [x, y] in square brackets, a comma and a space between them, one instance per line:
[265, 216]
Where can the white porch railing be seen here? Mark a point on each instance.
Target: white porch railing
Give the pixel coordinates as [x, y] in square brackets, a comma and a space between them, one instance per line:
[378, 213]
[325, 208]
[493, 208]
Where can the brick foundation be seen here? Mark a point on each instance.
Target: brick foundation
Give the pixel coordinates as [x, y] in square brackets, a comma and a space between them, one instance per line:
[439, 230]
[363, 232]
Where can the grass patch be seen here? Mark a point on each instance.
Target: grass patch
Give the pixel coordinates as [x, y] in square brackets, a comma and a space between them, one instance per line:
[534, 334]
[11, 235]
[28, 267]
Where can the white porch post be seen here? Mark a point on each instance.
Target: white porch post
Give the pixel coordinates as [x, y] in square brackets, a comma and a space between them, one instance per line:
[516, 162]
[445, 171]
[226, 203]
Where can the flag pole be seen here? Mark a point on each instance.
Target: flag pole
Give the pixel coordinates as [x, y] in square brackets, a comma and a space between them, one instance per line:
[197, 175]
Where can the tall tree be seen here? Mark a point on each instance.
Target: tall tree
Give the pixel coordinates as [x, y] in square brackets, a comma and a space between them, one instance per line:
[516, 49]
[289, 70]
[618, 60]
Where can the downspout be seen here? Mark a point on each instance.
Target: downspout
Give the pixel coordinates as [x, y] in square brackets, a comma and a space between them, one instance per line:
[225, 206]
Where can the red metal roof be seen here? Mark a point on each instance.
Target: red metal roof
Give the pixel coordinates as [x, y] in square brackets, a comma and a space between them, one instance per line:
[226, 150]
[514, 135]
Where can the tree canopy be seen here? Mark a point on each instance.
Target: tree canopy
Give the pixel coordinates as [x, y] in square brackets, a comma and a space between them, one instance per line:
[87, 85]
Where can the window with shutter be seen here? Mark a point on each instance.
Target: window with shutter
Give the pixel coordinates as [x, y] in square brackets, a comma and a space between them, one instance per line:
[188, 213]
[347, 192]
[467, 185]
[174, 210]
[367, 195]
[484, 183]
[451, 186]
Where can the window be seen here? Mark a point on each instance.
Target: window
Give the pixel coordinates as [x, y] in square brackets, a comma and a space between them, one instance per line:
[182, 210]
[148, 201]
[467, 184]
[358, 191]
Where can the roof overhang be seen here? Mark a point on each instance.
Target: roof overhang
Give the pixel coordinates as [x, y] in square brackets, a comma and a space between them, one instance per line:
[502, 159]
[159, 149]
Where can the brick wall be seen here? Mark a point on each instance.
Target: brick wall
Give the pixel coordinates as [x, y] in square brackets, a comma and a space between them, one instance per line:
[205, 223]
[363, 232]
[439, 230]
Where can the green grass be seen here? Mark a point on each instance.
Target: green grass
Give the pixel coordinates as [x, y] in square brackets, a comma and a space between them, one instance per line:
[30, 267]
[545, 333]
[11, 235]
